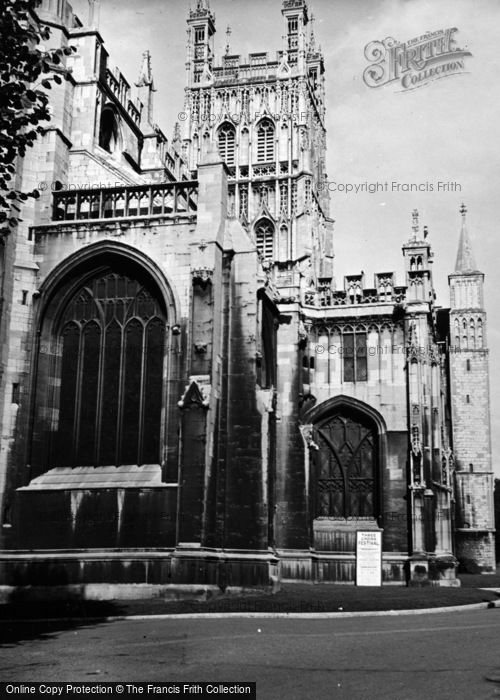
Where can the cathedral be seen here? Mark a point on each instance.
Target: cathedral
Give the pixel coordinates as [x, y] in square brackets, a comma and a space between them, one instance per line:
[191, 393]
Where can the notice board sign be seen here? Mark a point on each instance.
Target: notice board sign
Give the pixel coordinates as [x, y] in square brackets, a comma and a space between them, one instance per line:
[369, 558]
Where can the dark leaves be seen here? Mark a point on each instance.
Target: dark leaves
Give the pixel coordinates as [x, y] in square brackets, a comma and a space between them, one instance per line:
[25, 68]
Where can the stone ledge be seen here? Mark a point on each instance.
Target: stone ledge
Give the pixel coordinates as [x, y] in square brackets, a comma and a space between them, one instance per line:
[125, 476]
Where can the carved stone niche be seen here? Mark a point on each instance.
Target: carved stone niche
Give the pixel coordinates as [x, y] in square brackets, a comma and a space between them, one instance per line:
[197, 392]
[202, 276]
[306, 402]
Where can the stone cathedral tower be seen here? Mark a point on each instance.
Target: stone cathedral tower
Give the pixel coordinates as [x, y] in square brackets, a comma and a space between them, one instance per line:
[470, 401]
[265, 115]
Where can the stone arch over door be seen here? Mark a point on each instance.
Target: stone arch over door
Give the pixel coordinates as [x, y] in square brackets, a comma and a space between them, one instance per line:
[102, 363]
[347, 447]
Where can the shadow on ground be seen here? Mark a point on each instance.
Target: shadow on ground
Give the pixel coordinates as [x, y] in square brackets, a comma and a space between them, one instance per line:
[22, 621]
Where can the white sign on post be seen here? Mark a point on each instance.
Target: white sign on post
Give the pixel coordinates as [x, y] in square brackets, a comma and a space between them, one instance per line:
[368, 558]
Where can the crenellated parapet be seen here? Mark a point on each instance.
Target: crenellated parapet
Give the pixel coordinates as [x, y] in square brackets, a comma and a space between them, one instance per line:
[357, 292]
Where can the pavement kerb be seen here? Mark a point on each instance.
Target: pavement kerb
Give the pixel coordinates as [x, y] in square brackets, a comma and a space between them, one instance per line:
[265, 615]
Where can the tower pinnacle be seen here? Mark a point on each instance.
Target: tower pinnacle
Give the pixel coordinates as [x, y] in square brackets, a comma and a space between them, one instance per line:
[145, 74]
[94, 12]
[146, 88]
[312, 38]
[465, 258]
[202, 10]
[415, 225]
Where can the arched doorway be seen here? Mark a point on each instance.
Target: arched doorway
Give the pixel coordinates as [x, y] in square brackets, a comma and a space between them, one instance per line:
[347, 446]
[345, 467]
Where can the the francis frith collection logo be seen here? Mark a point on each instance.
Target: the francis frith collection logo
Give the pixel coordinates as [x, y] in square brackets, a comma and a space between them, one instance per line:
[416, 62]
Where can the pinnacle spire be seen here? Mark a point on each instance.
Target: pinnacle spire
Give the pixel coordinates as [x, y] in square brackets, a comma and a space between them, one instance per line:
[94, 12]
[465, 258]
[312, 38]
[415, 225]
[145, 74]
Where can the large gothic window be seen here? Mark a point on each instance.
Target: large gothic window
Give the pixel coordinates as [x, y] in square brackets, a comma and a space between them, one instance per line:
[111, 336]
[265, 141]
[264, 238]
[345, 468]
[227, 143]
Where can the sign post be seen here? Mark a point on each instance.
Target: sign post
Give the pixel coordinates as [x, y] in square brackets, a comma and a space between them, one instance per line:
[368, 558]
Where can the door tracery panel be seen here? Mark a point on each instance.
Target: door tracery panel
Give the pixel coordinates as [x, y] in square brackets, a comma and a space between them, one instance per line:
[345, 468]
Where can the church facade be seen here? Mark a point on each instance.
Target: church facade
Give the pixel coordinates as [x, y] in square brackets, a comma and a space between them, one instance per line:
[190, 396]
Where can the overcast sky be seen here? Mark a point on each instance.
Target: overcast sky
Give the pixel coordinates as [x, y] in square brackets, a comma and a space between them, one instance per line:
[446, 131]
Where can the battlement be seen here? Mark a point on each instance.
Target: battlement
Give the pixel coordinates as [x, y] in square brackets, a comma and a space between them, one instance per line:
[294, 4]
[384, 291]
[256, 66]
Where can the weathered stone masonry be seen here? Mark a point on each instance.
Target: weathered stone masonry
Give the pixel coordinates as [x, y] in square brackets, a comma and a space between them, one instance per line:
[189, 395]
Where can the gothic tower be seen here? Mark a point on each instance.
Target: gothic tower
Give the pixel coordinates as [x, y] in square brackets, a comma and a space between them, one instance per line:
[265, 117]
[469, 388]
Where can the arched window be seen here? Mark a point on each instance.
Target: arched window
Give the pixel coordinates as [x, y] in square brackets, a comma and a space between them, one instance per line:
[472, 333]
[110, 338]
[264, 237]
[265, 141]
[345, 467]
[109, 134]
[227, 139]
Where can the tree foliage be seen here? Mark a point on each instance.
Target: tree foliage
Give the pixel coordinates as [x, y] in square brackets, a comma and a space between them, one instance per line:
[27, 72]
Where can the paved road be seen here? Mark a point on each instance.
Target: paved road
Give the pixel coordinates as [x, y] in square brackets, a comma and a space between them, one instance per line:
[443, 655]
